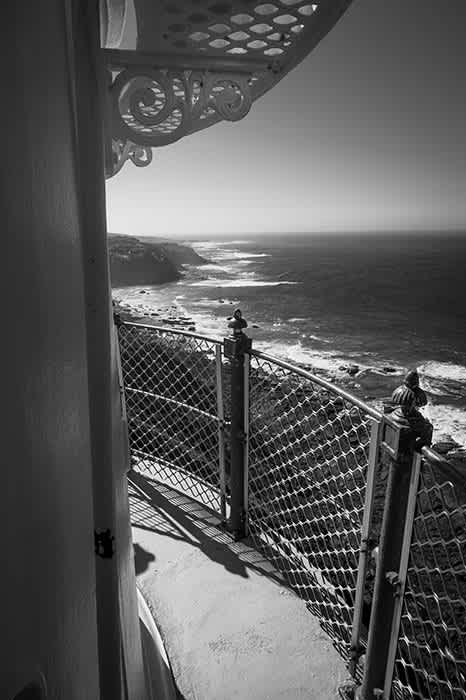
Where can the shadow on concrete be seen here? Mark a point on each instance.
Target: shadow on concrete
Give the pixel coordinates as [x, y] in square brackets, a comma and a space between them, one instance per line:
[142, 558]
[158, 508]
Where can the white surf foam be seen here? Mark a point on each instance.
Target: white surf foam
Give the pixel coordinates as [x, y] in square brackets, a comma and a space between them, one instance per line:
[237, 255]
[212, 266]
[212, 282]
[239, 242]
[327, 360]
[443, 370]
[447, 419]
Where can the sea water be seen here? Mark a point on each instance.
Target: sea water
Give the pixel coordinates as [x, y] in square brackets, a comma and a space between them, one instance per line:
[377, 301]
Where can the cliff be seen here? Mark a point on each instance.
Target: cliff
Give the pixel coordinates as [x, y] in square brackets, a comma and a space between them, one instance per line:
[180, 253]
[145, 262]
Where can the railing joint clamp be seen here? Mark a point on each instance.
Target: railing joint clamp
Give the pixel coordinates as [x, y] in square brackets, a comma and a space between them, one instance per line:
[393, 579]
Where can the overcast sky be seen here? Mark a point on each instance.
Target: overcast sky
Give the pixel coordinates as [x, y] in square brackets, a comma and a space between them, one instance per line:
[368, 133]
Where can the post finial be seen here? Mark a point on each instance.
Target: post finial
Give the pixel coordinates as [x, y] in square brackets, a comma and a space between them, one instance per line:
[237, 323]
[406, 401]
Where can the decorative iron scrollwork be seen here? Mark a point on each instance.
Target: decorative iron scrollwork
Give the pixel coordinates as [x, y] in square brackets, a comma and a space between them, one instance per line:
[152, 107]
[126, 150]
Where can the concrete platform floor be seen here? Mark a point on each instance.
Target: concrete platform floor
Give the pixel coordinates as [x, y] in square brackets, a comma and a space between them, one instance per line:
[231, 627]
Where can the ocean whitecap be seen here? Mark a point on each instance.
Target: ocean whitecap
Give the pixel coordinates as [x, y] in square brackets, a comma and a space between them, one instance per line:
[239, 283]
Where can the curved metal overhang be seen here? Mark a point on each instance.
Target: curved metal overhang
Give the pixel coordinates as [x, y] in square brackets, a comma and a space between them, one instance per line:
[197, 62]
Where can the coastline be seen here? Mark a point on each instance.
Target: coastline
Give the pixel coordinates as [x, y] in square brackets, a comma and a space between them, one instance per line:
[259, 280]
[368, 383]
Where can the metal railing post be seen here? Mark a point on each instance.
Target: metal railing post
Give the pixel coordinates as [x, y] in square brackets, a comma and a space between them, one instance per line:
[387, 583]
[246, 370]
[402, 574]
[235, 348]
[355, 648]
[221, 431]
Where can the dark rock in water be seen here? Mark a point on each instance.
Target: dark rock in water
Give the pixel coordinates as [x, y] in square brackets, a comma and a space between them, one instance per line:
[349, 369]
[254, 326]
[143, 291]
[389, 370]
[192, 328]
[445, 444]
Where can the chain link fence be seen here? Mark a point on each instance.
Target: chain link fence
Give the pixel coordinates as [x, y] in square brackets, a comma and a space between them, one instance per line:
[314, 498]
[431, 655]
[307, 473]
[174, 398]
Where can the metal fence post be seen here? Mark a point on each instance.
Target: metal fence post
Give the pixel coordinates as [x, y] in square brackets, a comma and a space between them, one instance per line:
[221, 431]
[387, 584]
[355, 648]
[234, 349]
[404, 560]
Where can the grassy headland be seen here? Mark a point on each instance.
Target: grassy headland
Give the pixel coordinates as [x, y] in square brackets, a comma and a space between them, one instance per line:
[149, 261]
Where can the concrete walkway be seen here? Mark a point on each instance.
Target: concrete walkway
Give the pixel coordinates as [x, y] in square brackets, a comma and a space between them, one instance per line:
[231, 628]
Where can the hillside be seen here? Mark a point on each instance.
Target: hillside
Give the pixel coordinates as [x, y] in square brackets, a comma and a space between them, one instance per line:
[179, 253]
[134, 261]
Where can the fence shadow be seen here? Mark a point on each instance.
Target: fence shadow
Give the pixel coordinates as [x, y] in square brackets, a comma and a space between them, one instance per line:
[158, 508]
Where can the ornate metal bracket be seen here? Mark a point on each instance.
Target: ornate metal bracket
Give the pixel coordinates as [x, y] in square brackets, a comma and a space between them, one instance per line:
[151, 107]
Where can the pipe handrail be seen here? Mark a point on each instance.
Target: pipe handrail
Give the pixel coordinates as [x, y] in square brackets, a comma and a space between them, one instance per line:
[318, 380]
[373, 412]
[175, 331]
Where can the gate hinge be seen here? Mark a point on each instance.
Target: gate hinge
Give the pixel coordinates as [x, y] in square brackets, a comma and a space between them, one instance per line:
[103, 543]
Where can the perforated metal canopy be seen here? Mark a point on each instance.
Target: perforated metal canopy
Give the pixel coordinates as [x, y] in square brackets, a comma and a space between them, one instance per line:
[197, 62]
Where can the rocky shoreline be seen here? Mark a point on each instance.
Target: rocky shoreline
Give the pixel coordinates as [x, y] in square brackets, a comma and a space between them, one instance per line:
[168, 316]
[368, 383]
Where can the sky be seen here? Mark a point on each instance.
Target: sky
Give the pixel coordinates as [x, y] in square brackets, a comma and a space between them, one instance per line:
[368, 133]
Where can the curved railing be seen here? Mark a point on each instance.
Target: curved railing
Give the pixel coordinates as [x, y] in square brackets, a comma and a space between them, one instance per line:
[317, 464]
[308, 468]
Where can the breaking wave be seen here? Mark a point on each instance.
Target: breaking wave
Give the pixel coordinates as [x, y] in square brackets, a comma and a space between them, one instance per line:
[212, 282]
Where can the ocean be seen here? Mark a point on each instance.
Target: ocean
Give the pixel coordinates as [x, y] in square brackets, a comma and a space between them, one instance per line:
[377, 301]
